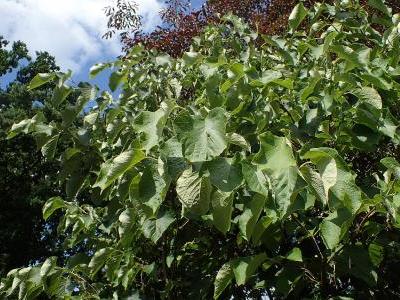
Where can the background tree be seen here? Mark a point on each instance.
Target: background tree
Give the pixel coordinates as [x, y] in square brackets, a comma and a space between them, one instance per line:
[27, 180]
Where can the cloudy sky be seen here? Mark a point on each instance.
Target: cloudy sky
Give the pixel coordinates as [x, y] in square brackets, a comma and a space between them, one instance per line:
[70, 30]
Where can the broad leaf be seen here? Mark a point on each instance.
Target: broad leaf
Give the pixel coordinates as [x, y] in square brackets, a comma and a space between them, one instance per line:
[223, 279]
[297, 15]
[225, 174]
[151, 125]
[339, 183]
[40, 79]
[250, 215]
[222, 210]
[245, 267]
[194, 192]
[276, 158]
[207, 138]
[52, 205]
[112, 169]
[154, 228]
[255, 178]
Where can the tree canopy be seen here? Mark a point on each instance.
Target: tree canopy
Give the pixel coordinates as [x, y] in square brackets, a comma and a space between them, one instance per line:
[26, 179]
[181, 23]
[251, 165]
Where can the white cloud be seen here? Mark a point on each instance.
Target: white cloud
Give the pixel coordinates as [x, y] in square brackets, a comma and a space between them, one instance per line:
[70, 30]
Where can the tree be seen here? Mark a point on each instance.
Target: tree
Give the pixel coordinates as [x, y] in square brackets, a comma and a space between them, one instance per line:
[233, 171]
[26, 179]
[182, 24]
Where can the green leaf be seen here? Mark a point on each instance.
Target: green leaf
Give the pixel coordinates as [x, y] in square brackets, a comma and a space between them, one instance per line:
[207, 138]
[391, 164]
[151, 126]
[250, 215]
[48, 265]
[60, 93]
[96, 69]
[376, 253]
[339, 183]
[49, 149]
[237, 139]
[276, 158]
[295, 255]
[297, 15]
[90, 119]
[381, 6]
[262, 224]
[190, 58]
[222, 210]
[245, 267]
[334, 227]
[377, 80]
[275, 153]
[315, 183]
[152, 189]
[225, 174]
[163, 60]
[370, 96]
[255, 179]
[194, 192]
[154, 229]
[112, 169]
[370, 99]
[40, 79]
[223, 279]
[99, 259]
[116, 79]
[51, 206]
[266, 78]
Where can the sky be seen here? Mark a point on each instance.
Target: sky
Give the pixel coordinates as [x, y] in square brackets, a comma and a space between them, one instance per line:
[70, 30]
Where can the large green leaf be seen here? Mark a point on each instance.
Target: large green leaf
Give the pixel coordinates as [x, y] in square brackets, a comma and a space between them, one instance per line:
[151, 125]
[315, 183]
[97, 68]
[223, 279]
[49, 149]
[40, 79]
[255, 178]
[207, 138]
[297, 15]
[276, 158]
[250, 215]
[116, 79]
[154, 228]
[112, 169]
[334, 227]
[150, 189]
[222, 210]
[380, 5]
[52, 205]
[225, 174]
[245, 267]
[339, 183]
[99, 259]
[60, 94]
[194, 191]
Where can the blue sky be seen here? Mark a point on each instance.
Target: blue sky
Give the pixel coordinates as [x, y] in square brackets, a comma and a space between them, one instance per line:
[70, 30]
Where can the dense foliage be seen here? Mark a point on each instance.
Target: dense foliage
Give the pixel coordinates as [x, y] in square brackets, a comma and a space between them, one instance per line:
[181, 23]
[26, 179]
[240, 169]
